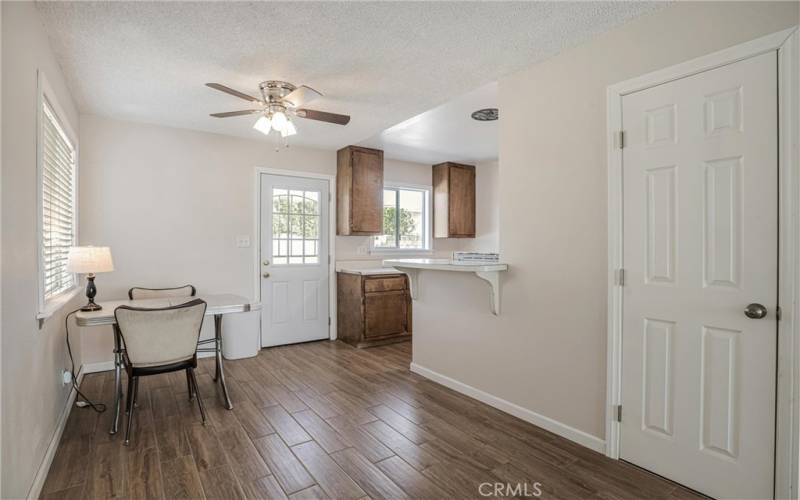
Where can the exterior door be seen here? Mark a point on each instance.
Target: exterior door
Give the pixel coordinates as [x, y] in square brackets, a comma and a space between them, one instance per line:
[294, 260]
[700, 183]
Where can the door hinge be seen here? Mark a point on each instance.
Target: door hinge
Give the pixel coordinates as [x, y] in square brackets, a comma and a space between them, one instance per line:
[778, 313]
[329, 321]
[618, 413]
[620, 277]
[619, 138]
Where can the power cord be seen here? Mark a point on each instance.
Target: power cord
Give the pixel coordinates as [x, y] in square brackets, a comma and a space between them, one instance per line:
[98, 407]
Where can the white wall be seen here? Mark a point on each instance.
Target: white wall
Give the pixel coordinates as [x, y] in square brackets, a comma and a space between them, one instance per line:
[546, 353]
[32, 394]
[170, 203]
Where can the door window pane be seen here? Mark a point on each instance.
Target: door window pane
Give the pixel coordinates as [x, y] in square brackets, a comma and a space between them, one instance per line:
[311, 227]
[280, 226]
[295, 226]
[311, 205]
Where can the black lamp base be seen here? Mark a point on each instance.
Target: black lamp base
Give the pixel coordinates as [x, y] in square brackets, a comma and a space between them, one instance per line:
[91, 306]
[91, 291]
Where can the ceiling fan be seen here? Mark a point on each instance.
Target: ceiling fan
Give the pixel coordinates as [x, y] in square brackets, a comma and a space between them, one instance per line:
[279, 100]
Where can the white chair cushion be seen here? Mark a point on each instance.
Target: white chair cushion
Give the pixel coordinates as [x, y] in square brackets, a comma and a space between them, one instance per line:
[160, 336]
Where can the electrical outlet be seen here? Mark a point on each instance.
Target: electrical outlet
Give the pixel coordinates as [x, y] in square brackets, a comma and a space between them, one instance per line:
[66, 377]
[362, 250]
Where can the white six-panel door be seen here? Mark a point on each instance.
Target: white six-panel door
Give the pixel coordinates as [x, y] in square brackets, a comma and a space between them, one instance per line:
[294, 259]
[700, 230]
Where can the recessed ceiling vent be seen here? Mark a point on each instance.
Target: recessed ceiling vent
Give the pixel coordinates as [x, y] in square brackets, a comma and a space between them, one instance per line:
[485, 115]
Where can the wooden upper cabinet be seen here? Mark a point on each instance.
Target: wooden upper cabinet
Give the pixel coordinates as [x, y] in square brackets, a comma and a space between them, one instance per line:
[453, 200]
[359, 191]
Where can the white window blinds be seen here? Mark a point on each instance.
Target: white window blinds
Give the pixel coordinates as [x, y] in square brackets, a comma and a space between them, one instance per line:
[58, 204]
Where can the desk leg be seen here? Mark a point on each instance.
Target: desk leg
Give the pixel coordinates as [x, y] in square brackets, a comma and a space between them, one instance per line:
[117, 380]
[219, 372]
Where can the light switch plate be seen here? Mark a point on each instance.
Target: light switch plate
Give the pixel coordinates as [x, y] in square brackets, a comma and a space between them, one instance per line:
[243, 241]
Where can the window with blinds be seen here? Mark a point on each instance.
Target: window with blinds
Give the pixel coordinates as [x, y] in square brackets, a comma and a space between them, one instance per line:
[58, 180]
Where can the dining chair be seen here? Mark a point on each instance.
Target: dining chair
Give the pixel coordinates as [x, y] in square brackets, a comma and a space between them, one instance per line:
[185, 291]
[139, 292]
[160, 340]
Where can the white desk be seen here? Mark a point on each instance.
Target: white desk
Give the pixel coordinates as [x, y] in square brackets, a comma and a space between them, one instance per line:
[218, 305]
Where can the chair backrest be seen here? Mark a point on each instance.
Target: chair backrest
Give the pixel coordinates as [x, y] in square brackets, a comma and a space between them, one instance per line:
[138, 292]
[161, 336]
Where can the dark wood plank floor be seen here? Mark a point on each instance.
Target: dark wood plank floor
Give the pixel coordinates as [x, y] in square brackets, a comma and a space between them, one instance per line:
[324, 420]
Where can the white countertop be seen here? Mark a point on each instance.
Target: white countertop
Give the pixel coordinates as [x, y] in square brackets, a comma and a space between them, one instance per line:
[447, 265]
[368, 271]
[488, 271]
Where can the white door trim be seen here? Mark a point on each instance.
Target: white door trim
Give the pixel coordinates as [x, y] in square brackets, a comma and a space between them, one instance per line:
[787, 45]
[331, 236]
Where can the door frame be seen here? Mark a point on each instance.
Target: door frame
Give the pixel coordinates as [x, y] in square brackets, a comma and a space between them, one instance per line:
[259, 171]
[787, 45]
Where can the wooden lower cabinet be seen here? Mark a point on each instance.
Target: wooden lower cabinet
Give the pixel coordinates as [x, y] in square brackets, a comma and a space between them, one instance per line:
[373, 309]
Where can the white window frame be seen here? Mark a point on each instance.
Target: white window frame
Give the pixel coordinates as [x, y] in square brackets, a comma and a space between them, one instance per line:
[45, 92]
[427, 230]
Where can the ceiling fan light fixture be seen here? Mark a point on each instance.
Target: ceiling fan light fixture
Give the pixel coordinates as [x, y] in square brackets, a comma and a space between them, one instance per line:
[263, 125]
[289, 129]
[279, 100]
[279, 121]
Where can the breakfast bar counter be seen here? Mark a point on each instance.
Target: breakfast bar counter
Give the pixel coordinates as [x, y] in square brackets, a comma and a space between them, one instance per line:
[488, 271]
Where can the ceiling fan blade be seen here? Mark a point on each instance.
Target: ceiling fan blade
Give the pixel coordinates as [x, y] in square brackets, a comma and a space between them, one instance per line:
[300, 96]
[236, 113]
[228, 90]
[323, 116]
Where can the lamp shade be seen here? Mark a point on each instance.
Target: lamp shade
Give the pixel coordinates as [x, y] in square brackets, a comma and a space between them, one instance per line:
[263, 125]
[89, 260]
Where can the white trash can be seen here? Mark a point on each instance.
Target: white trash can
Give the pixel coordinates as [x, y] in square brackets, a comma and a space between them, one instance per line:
[241, 335]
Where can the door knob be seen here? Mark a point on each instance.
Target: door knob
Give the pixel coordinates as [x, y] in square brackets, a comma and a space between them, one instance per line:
[266, 275]
[755, 311]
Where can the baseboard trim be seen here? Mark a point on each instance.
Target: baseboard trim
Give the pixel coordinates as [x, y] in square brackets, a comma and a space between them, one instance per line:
[41, 475]
[102, 366]
[106, 366]
[547, 423]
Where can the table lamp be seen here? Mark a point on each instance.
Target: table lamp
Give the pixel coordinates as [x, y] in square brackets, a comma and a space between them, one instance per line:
[88, 261]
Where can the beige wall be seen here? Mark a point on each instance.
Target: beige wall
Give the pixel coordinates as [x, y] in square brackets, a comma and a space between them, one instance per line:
[32, 394]
[1, 253]
[170, 203]
[547, 351]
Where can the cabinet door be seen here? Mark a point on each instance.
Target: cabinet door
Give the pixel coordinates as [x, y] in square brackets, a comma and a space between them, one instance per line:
[462, 202]
[367, 196]
[386, 313]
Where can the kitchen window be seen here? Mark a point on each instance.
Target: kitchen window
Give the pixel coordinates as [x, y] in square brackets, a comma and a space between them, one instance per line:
[406, 220]
[57, 218]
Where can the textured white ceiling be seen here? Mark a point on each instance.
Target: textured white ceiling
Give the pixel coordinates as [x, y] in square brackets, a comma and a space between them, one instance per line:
[380, 62]
[444, 133]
